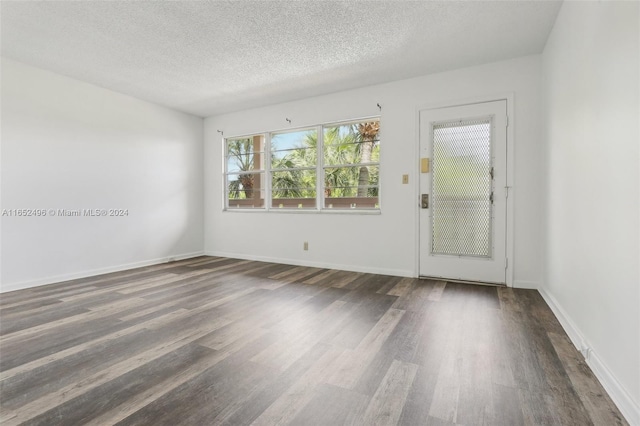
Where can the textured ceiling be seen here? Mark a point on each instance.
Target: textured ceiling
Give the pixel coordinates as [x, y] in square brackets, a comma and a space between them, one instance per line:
[208, 58]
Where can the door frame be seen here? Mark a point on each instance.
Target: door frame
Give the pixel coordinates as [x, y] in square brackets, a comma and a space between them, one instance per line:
[509, 243]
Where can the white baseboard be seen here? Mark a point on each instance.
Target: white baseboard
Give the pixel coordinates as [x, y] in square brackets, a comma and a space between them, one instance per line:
[324, 265]
[625, 403]
[90, 273]
[530, 285]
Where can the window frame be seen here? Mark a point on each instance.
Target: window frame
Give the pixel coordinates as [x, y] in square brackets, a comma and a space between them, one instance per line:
[315, 168]
[260, 171]
[319, 171]
[344, 166]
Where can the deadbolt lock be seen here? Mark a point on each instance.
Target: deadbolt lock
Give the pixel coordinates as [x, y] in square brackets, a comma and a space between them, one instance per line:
[424, 202]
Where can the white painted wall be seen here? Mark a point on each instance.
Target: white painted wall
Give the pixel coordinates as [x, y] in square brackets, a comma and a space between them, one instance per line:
[71, 145]
[384, 243]
[591, 81]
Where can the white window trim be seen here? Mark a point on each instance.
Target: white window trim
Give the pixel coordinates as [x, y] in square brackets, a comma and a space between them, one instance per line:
[268, 164]
[226, 173]
[320, 208]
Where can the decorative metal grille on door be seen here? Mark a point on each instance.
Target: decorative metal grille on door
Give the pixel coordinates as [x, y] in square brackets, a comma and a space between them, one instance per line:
[462, 188]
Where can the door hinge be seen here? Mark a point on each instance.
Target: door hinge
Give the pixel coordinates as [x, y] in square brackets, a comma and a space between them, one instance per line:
[506, 262]
[506, 191]
[507, 121]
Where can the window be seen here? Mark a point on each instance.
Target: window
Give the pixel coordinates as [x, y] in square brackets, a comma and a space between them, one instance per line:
[294, 160]
[351, 165]
[330, 167]
[245, 172]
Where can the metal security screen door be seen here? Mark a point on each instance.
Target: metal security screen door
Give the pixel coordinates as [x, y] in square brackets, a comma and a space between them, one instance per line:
[461, 188]
[463, 196]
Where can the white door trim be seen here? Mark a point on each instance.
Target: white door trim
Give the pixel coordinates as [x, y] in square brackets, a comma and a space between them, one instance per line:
[509, 97]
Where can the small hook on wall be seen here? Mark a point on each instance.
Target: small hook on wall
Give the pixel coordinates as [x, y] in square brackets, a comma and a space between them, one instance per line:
[379, 107]
[221, 132]
[289, 121]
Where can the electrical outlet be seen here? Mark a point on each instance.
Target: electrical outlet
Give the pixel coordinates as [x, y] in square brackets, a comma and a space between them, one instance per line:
[405, 179]
[306, 245]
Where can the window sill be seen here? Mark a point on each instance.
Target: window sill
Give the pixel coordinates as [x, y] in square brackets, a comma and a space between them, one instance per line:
[308, 211]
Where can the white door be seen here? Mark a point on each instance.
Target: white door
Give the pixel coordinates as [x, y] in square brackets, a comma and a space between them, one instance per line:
[463, 212]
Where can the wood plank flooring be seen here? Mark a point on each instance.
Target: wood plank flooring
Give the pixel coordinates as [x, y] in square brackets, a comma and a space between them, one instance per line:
[217, 341]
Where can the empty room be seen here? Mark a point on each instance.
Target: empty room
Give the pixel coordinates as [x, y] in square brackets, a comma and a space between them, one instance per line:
[320, 213]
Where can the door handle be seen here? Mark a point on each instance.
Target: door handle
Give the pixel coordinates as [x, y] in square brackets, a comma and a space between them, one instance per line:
[424, 201]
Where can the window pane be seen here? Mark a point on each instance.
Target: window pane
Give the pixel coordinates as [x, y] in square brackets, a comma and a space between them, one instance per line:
[245, 154]
[294, 149]
[294, 161]
[353, 143]
[355, 181]
[293, 184]
[245, 190]
[293, 189]
[354, 151]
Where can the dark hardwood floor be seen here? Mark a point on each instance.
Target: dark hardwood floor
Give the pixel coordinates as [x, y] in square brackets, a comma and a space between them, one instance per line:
[216, 341]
